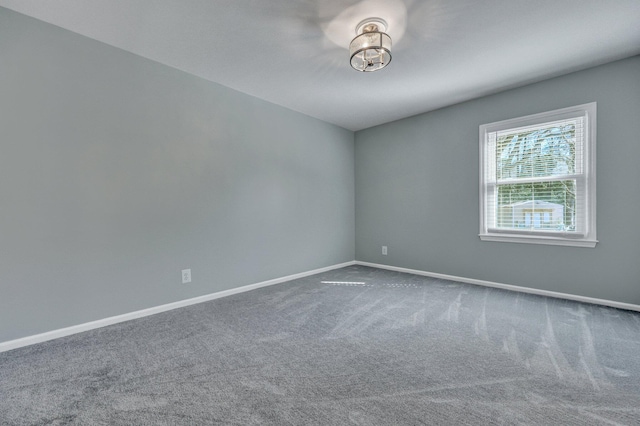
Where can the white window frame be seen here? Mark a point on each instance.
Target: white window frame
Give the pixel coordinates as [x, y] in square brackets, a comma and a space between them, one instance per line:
[586, 237]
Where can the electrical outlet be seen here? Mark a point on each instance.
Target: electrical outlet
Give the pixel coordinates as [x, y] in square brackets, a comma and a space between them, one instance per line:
[186, 276]
[384, 250]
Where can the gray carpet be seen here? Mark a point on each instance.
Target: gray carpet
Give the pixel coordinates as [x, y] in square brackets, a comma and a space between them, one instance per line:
[397, 350]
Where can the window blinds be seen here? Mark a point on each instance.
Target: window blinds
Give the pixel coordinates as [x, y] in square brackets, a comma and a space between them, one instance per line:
[537, 178]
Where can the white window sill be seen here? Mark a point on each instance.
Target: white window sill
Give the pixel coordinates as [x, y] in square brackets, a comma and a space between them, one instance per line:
[536, 239]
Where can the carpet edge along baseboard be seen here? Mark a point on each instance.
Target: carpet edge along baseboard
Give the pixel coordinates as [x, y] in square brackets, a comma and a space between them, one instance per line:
[67, 331]
[79, 328]
[510, 287]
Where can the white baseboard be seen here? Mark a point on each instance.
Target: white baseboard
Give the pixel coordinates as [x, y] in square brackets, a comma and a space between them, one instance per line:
[592, 300]
[55, 334]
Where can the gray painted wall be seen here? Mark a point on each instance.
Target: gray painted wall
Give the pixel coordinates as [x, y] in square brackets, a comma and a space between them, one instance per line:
[417, 190]
[117, 172]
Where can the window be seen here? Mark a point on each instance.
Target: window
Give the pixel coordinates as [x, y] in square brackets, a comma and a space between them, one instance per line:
[538, 178]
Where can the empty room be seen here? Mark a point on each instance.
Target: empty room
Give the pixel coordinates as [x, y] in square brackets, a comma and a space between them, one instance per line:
[306, 212]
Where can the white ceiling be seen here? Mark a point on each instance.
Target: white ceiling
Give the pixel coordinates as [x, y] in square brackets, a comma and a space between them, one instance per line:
[294, 52]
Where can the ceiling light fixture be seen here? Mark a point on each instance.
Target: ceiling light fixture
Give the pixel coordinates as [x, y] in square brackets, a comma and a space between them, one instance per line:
[370, 50]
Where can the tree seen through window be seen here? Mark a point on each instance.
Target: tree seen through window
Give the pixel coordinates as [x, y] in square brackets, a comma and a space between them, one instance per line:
[540, 158]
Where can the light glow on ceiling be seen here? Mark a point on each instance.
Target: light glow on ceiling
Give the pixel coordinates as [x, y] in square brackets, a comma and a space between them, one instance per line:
[340, 29]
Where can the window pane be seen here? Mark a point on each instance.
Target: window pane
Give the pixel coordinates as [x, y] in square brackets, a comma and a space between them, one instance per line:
[537, 206]
[545, 151]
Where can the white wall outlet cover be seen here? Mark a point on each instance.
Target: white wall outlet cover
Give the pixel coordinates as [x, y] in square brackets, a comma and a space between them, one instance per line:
[384, 250]
[186, 276]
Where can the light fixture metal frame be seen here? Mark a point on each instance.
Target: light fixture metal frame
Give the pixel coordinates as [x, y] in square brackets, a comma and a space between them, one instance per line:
[371, 26]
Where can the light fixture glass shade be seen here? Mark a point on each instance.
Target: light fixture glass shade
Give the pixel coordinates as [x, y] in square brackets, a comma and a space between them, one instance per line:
[370, 51]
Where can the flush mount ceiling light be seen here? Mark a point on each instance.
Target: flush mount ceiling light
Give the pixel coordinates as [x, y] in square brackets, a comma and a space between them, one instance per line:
[370, 49]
